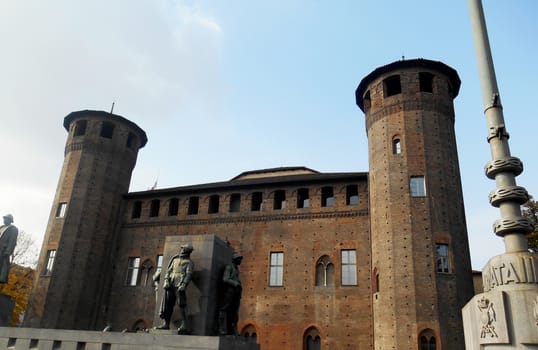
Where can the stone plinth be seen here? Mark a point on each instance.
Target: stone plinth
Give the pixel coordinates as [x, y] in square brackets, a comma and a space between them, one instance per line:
[210, 255]
[6, 309]
[505, 316]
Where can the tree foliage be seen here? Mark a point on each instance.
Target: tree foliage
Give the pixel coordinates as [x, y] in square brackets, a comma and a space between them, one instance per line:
[19, 285]
[26, 252]
[530, 210]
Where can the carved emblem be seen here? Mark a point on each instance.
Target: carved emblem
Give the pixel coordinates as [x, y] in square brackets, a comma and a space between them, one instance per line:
[487, 318]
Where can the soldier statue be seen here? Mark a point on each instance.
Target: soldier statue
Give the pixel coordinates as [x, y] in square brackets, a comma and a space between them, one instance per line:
[176, 280]
[8, 240]
[231, 297]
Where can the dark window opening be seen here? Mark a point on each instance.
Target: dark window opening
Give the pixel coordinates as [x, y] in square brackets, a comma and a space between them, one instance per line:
[427, 342]
[173, 208]
[303, 198]
[60, 211]
[280, 200]
[312, 339]
[352, 195]
[396, 146]
[366, 100]
[80, 127]
[257, 199]
[154, 208]
[137, 210]
[193, 206]
[327, 197]
[425, 81]
[131, 138]
[442, 258]
[107, 130]
[235, 202]
[213, 207]
[392, 86]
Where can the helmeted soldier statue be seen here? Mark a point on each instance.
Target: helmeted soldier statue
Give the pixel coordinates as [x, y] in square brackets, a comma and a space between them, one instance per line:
[231, 297]
[8, 241]
[176, 280]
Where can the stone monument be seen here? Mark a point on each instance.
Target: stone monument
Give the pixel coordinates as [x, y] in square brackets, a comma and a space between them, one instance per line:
[8, 241]
[505, 316]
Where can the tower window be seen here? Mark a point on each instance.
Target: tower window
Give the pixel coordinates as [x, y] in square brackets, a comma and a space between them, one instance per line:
[131, 138]
[107, 130]
[257, 199]
[173, 207]
[392, 86]
[133, 267]
[396, 146]
[235, 202]
[279, 200]
[303, 199]
[154, 208]
[193, 206]
[324, 272]
[80, 127]
[352, 195]
[213, 207]
[367, 101]
[327, 196]
[442, 260]
[427, 340]
[137, 210]
[425, 81]
[417, 186]
[349, 267]
[276, 269]
[51, 255]
[312, 339]
[60, 211]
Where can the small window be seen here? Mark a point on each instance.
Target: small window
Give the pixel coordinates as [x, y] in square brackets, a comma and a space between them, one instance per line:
[131, 138]
[427, 340]
[193, 206]
[276, 270]
[60, 211]
[80, 127]
[425, 81]
[133, 267]
[324, 272]
[303, 198]
[280, 200]
[443, 264]
[257, 199]
[367, 101]
[107, 130]
[137, 210]
[396, 146]
[375, 281]
[327, 197]
[235, 202]
[154, 208]
[417, 186]
[352, 195]
[173, 207]
[213, 207]
[51, 255]
[392, 86]
[312, 339]
[349, 267]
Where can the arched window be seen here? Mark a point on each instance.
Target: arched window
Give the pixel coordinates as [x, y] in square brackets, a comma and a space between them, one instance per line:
[311, 339]
[426, 340]
[147, 272]
[139, 325]
[324, 272]
[249, 332]
[396, 145]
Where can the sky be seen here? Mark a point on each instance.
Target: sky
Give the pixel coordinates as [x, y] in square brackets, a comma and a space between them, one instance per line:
[222, 87]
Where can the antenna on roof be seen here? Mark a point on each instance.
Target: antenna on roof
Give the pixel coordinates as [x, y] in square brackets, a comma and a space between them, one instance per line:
[112, 109]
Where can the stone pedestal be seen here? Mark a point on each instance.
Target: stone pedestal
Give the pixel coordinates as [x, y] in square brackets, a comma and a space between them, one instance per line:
[505, 316]
[210, 255]
[6, 309]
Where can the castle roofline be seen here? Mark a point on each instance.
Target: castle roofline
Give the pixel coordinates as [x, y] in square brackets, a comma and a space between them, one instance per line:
[270, 172]
[102, 114]
[283, 180]
[403, 64]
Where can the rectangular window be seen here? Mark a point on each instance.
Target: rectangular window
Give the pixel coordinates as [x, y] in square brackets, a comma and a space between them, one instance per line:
[154, 208]
[349, 267]
[235, 202]
[213, 204]
[425, 81]
[257, 200]
[279, 200]
[417, 186]
[133, 267]
[51, 255]
[327, 197]
[137, 209]
[352, 195]
[131, 138]
[392, 86]
[193, 206]
[159, 263]
[303, 198]
[107, 130]
[441, 251]
[80, 127]
[60, 211]
[173, 207]
[276, 271]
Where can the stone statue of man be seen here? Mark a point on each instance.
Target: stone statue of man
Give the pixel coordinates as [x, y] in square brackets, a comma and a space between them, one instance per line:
[8, 240]
[176, 280]
[231, 297]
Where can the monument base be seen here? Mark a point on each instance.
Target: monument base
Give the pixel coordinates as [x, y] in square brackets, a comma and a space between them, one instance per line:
[33, 338]
[6, 309]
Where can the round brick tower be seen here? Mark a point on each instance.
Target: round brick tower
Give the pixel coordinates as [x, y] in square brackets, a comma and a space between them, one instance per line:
[71, 284]
[421, 270]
